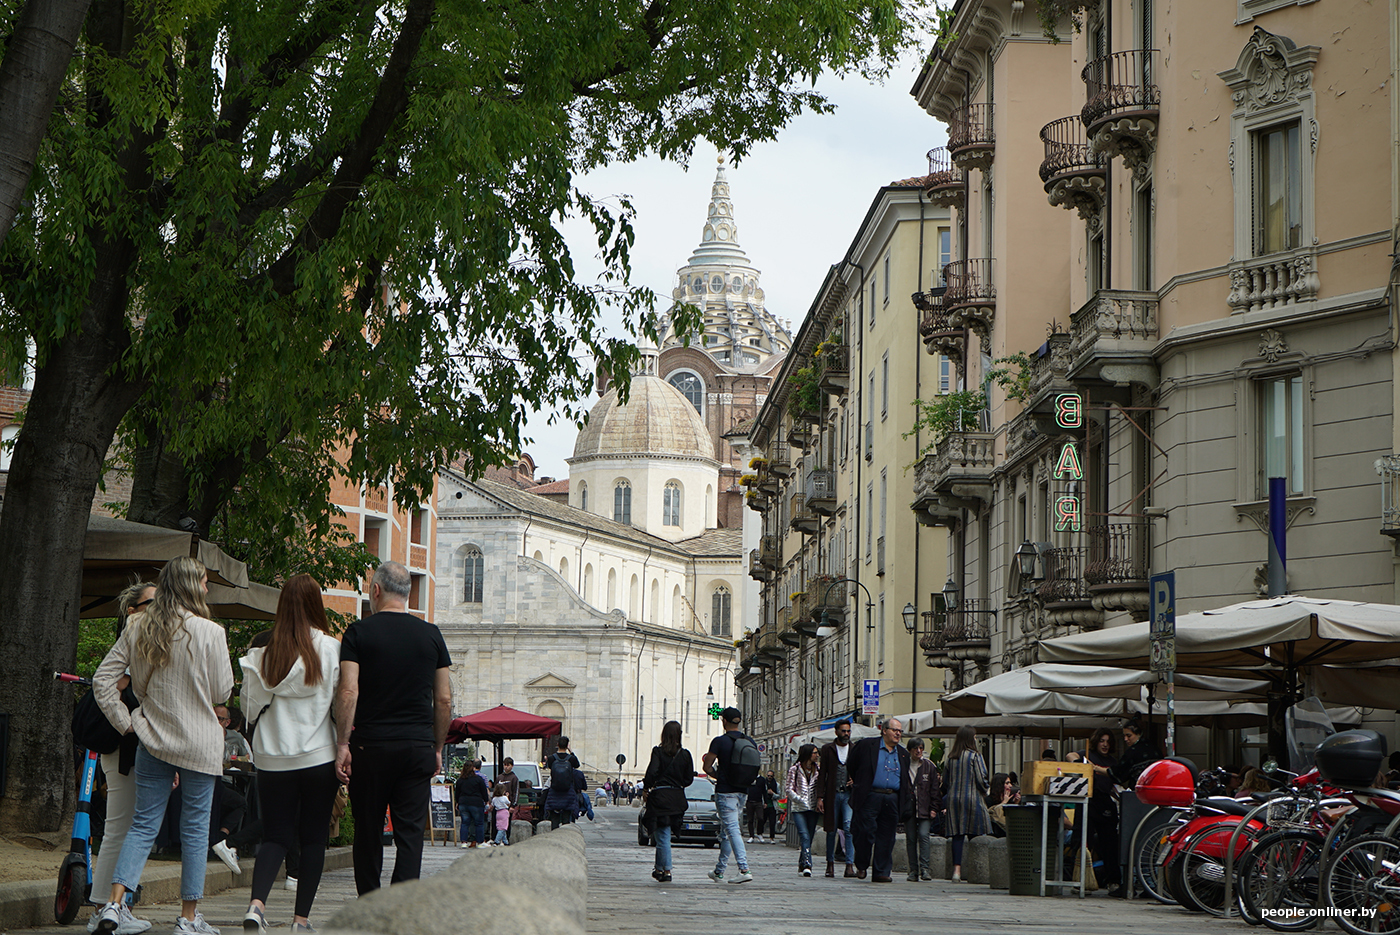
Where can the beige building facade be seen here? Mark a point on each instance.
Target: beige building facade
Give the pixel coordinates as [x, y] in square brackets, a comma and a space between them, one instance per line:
[832, 446]
[1174, 230]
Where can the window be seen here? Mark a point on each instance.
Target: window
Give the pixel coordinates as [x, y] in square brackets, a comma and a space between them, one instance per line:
[880, 632]
[634, 599]
[7, 439]
[887, 279]
[884, 489]
[473, 575]
[1278, 197]
[872, 303]
[945, 254]
[417, 591]
[869, 520]
[588, 582]
[1143, 222]
[671, 504]
[691, 387]
[418, 529]
[583, 496]
[612, 589]
[720, 605]
[377, 537]
[945, 375]
[885, 386]
[622, 503]
[1281, 433]
[988, 203]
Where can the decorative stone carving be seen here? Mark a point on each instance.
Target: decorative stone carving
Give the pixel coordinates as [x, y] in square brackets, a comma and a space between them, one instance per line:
[1258, 513]
[1271, 71]
[1272, 346]
[1083, 193]
[1273, 281]
[1132, 138]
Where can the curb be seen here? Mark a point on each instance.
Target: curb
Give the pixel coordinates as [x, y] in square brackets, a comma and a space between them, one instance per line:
[29, 904]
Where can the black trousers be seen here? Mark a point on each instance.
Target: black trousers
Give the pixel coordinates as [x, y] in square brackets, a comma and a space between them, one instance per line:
[296, 808]
[1103, 840]
[872, 827]
[394, 776]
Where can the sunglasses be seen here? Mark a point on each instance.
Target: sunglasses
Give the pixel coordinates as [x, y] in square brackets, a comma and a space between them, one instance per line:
[143, 603]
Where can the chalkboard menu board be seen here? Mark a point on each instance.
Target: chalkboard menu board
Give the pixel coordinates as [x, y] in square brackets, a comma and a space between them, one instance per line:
[440, 809]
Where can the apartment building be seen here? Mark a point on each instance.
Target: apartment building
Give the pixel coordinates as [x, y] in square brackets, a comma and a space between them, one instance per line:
[1174, 227]
[847, 574]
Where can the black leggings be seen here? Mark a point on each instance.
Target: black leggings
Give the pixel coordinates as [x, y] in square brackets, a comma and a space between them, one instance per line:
[296, 807]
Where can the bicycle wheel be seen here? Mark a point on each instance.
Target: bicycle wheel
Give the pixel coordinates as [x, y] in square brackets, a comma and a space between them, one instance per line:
[1362, 883]
[1150, 875]
[1201, 869]
[1278, 879]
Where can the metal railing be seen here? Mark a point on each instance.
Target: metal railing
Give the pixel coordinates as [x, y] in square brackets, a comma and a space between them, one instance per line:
[1122, 82]
[970, 623]
[941, 171]
[1117, 554]
[1067, 150]
[1388, 468]
[971, 126]
[969, 281]
[1064, 576]
[821, 484]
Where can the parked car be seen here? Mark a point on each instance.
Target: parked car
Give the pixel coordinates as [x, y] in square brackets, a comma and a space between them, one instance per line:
[701, 823]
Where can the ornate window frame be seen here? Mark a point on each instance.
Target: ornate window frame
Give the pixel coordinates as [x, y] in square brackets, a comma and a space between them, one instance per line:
[1248, 9]
[687, 372]
[1275, 359]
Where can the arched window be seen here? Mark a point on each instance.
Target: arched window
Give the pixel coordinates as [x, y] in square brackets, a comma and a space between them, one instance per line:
[720, 605]
[588, 582]
[583, 496]
[538, 556]
[654, 612]
[564, 568]
[671, 504]
[622, 503]
[691, 387]
[612, 589]
[676, 606]
[473, 574]
[634, 598]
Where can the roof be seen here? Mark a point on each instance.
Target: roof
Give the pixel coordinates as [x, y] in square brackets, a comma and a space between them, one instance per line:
[655, 420]
[713, 542]
[542, 490]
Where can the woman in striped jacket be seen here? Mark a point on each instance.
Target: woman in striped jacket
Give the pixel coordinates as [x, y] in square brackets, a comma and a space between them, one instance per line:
[803, 802]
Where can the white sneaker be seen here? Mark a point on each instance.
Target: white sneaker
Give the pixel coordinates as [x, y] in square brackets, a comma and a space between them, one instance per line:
[129, 924]
[751, 839]
[228, 855]
[743, 877]
[291, 884]
[806, 871]
[108, 918]
[92, 920]
[255, 920]
[717, 877]
[184, 926]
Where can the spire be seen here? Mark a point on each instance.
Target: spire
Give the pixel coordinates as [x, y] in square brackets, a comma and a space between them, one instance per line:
[719, 241]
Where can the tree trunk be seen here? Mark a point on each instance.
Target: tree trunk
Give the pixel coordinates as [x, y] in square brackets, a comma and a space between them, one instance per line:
[31, 73]
[80, 396]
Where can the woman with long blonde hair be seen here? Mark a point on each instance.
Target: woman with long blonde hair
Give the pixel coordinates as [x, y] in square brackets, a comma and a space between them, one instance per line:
[179, 664]
[289, 686]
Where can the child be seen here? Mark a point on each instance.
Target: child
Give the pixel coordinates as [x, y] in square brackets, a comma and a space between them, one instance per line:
[501, 803]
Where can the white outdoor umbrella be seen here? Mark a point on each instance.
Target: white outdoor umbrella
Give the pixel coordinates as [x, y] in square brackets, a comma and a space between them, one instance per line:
[1133, 684]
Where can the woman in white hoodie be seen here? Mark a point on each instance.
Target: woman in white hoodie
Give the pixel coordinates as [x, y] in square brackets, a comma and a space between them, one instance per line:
[288, 687]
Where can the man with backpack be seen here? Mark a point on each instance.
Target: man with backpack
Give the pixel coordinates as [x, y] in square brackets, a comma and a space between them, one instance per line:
[561, 804]
[734, 762]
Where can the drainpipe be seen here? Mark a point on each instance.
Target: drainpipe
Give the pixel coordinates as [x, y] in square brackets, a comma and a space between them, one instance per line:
[642, 598]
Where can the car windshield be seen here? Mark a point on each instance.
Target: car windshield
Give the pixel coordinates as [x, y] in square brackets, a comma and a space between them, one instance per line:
[527, 772]
[701, 790]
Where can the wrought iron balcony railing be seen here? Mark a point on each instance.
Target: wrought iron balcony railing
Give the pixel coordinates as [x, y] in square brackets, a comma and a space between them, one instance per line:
[1118, 556]
[971, 295]
[946, 181]
[971, 137]
[1123, 83]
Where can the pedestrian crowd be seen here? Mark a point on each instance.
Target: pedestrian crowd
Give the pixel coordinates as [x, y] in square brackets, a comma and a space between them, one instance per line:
[362, 717]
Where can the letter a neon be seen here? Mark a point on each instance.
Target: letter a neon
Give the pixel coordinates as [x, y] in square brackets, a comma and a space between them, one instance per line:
[1068, 467]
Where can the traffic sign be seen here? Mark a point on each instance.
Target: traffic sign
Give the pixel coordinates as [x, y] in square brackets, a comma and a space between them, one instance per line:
[621, 758]
[1162, 626]
[870, 697]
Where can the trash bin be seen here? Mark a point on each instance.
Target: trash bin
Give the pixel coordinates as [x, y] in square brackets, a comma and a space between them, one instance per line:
[1023, 853]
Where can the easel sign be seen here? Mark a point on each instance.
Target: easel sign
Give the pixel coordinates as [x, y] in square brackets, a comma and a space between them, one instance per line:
[442, 814]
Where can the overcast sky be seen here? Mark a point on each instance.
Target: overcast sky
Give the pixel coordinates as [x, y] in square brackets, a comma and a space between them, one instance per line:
[797, 202]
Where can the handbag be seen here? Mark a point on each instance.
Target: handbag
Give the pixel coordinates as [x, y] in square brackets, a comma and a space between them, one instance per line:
[92, 730]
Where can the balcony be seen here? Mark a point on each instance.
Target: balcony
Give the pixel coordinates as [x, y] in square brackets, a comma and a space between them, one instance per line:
[971, 140]
[1049, 376]
[758, 501]
[757, 570]
[934, 643]
[821, 491]
[1123, 106]
[1064, 591]
[768, 649]
[802, 517]
[1112, 338]
[768, 552]
[940, 337]
[1388, 468]
[1274, 281]
[1117, 570]
[830, 597]
[968, 635]
[799, 436]
[971, 299]
[836, 374]
[788, 634]
[946, 182]
[780, 465]
[1074, 175]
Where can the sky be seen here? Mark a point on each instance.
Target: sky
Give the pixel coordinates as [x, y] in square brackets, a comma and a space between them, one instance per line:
[797, 203]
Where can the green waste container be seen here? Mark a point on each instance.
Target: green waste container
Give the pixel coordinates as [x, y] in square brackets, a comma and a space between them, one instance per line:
[1023, 850]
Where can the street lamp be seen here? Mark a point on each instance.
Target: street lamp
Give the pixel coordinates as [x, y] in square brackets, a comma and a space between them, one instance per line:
[1025, 562]
[909, 614]
[950, 594]
[826, 629]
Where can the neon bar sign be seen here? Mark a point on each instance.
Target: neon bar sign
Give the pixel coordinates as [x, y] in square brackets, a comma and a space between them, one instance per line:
[1069, 414]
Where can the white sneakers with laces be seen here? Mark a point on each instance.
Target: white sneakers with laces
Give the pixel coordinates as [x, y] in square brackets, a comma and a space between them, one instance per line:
[228, 855]
[195, 926]
[125, 923]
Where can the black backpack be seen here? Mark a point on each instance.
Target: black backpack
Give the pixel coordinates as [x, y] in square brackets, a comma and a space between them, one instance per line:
[561, 774]
[745, 762]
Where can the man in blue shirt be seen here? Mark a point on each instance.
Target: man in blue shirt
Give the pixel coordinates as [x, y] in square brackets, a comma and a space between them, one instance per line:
[880, 797]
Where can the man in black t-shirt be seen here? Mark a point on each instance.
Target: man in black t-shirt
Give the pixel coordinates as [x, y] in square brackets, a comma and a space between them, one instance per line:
[395, 693]
[729, 800]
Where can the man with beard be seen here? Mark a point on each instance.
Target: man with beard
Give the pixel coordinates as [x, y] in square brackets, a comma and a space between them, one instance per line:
[834, 786]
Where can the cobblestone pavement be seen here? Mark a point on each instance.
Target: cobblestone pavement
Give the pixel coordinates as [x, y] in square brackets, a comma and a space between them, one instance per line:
[623, 899]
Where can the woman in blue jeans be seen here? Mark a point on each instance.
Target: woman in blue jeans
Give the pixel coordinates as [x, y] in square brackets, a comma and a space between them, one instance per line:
[180, 669]
[671, 769]
[802, 797]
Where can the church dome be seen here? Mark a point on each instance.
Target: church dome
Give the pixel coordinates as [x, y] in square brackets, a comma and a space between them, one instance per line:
[656, 420]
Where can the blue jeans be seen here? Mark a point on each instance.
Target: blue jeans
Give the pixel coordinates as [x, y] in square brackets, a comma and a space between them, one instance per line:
[663, 845]
[473, 823]
[806, 823]
[153, 779]
[730, 806]
[843, 817]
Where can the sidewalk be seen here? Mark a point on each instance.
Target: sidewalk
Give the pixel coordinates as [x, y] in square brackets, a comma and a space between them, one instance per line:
[224, 909]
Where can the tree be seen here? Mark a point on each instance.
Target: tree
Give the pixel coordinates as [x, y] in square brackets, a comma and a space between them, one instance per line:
[257, 232]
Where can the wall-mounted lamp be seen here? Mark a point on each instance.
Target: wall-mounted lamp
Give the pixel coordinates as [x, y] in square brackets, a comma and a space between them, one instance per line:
[950, 594]
[910, 616]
